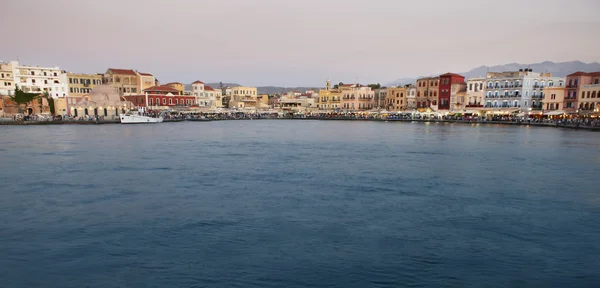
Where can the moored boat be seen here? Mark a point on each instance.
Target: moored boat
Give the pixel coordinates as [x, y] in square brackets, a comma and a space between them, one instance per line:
[140, 117]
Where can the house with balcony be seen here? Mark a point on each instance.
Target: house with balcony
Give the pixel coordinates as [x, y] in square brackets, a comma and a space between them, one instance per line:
[475, 93]
[7, 80]
[81, 84]
[521, 90]
[582, 92]
[356, 97]
[36, 79]
[329, 98]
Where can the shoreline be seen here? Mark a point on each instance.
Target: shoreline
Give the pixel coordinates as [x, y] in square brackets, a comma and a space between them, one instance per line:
[574, 127]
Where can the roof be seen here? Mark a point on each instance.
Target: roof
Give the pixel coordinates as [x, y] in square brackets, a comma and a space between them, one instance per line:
[197, 82]
[174, 83]
[452, 74]
[579, 73]
[162, 88]
[208, 88]
[145, 74]
[122, 71]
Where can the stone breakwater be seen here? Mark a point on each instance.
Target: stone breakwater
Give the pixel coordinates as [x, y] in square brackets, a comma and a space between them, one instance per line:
[523, 123]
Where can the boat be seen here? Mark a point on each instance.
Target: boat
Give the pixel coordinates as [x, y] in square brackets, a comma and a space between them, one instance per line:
[201, 118]
[139, 118]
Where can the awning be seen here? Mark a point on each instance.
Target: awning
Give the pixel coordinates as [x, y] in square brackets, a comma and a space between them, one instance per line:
[556, 112]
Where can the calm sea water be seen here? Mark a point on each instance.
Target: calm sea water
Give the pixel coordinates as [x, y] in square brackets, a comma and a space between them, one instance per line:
[299, 204]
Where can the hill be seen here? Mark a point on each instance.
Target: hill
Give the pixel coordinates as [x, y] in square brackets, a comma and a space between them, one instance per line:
[561, 69]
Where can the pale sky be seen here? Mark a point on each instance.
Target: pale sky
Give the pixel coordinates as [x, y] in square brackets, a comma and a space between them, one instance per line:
[296, 42]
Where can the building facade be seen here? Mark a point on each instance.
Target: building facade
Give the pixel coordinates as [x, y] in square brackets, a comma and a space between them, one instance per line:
[458, 96]
[243, 97]
[380, 98]
[37, 79]
[582, 92]
[329, 99]
[162, 97]
[411, 97]
[475, 93]
[177, 86]
[396, 98]
[81, 84]
[427, 92]
[103, 101]
[518, 90]
[445, 89]
[7, 79]
[124, 80]
[554, 98]
[357, 97]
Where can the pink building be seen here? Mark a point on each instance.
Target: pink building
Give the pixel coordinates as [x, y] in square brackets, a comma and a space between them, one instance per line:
[358, 97]
[579, 91]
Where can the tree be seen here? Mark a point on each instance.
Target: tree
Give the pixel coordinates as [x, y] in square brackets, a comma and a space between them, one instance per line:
[336, 86]
[22, 98]
[375, 86]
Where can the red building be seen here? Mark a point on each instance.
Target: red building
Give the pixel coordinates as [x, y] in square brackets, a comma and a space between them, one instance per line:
[446, 81]
[160, 96]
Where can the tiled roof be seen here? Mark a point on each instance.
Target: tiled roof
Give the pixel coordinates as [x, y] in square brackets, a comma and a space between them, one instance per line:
[122, 71]
[145, 74]
[208, 88]
[174, 83]
[197, 82]
[161, 88]
[579, 73]
[452, 74]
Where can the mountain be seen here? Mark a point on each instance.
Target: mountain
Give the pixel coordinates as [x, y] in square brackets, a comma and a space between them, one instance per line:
[261, 89]
[561, 69]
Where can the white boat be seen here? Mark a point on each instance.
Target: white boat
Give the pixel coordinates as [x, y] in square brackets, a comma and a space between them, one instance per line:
[139, 118]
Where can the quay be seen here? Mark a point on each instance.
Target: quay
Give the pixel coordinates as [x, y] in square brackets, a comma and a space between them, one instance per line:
[390, 120]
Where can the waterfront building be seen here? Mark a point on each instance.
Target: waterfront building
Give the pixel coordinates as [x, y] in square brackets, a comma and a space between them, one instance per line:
[162, 97]
[124, 80]
[205, 96]
[7, 80]
[396, 98]
[518, 90]
[553, 101]
[582, 92]
[243, 97]
[330, 98]
[128, 81]
[427, 92]
[177, 86]
[444, 91]
[411, 97]
[292, 102]
[81, 84]
[380, 98]
[38, 79]
[475, 93]
[458, 96]
[357, 97]
[146, 80]
[103, 101]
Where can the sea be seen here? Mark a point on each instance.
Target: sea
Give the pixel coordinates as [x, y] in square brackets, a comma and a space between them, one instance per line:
[299, 203]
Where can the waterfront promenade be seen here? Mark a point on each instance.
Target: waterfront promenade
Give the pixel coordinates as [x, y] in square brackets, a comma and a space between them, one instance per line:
[569, 124]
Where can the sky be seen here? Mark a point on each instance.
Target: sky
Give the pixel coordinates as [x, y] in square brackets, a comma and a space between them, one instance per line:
[296, 42]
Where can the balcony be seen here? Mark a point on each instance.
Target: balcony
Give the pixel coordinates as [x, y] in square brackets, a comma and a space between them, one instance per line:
[571, 86]
[474, 105]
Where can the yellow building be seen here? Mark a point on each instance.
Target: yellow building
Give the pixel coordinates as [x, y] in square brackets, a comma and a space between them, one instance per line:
[177, 86]
[243, 97]
[7, 80]
[80, 84]
[396, 98]
[329, 99]
[146, 80]
[60, 106]
[124, 80]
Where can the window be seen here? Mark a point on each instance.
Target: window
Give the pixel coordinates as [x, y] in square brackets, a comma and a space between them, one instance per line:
[32, 73]
[55, 74]
[71, 89]
[105, 112]
[150, 101]
[164, 101]
[70, 80]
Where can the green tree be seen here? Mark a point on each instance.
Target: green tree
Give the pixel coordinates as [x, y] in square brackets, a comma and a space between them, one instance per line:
[22, 98]
[374, 86]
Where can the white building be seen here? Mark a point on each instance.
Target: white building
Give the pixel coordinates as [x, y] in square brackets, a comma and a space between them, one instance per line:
[40, 79]
[519, 90]
[475, 92]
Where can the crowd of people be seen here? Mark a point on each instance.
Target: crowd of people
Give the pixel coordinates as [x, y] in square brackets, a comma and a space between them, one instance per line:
[512, 118]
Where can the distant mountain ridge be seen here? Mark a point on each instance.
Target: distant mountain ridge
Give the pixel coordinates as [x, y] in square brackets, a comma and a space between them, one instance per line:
[261, 89]
[560, 69]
